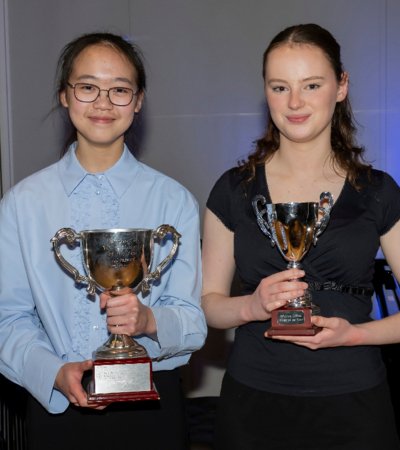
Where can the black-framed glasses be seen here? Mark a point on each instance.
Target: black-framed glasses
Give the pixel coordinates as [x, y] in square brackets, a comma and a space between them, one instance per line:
[89, 93]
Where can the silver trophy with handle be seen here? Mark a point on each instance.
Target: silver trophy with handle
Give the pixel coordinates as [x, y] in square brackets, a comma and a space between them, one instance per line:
[293, 228]
[116, 259]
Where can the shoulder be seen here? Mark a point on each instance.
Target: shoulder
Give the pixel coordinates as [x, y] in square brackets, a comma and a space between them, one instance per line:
[383, 178]
[38, 183]
[232, 181]
[380, 184]
[229, 196]
[382, 196]
[30, 198]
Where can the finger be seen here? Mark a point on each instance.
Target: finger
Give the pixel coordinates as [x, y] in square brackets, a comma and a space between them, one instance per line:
[289, 274]
[304, 342]
[80, 396]
[116, 302]
[116, 320]
[117, 328]
[73, 400]
[281, 297]
[295, 273]
[98, 407]
[290, 294]
[121, 310]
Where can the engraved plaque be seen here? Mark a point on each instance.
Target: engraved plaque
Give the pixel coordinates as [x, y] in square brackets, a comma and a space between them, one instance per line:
[111, 378]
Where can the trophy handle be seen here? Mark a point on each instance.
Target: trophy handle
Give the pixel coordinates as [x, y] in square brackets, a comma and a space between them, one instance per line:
[160, 233]
[262, 223]
[71, 237]
[325, 197]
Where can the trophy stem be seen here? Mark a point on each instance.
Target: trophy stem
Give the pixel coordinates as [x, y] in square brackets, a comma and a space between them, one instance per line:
[294, 265]
[305, 300]
[120, 346]
[300, 302]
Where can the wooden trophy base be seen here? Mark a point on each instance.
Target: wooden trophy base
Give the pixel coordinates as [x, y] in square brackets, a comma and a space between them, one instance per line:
[289, 321]
[121, 380]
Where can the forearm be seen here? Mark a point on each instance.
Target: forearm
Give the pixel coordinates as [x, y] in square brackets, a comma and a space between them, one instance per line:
[225, 312]
[338, 332]
[44, 364]
[377, 332]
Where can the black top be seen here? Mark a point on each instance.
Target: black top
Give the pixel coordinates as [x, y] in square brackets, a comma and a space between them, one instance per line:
[345, 253]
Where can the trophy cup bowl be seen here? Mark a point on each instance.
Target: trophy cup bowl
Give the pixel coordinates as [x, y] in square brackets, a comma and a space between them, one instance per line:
[293, 227]
[115, 259]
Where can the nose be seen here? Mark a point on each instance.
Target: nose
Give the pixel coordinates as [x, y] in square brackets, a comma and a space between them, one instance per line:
[295, 99]
[103, 100]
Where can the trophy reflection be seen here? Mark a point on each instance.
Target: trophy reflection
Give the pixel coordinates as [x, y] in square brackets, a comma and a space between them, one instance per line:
[293, 227]
[115, 259]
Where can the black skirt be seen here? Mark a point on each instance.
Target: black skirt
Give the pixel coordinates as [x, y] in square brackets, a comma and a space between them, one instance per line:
[149, 425]
[249, 419]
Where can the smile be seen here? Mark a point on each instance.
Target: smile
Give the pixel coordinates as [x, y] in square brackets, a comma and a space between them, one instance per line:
[101, 120]
[298, 119]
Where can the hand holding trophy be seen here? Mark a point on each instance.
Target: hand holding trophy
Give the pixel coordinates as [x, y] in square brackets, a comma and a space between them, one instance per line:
[293, 227]
[115, 259]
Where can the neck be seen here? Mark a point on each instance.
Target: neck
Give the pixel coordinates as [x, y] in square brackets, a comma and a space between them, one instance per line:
[97, 159]
[303, 158]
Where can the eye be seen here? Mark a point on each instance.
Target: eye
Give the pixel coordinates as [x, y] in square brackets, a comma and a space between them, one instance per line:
[121, 91]
[85, 88]
[313, 86]
[278, 89]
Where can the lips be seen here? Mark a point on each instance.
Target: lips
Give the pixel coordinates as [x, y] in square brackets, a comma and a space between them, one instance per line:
[298, 119]
[101, 119]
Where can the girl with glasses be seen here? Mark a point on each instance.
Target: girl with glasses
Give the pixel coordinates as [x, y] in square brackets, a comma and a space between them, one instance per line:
[48, 326]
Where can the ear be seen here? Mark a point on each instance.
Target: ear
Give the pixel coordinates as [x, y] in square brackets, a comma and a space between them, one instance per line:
[139, 102]
[63, 98]
[343, 87]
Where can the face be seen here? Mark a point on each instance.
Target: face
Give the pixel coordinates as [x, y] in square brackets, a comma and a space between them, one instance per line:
[302, 91]
[101, 123]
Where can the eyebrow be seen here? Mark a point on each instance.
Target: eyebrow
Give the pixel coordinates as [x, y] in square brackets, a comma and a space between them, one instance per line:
[312, 78]
[93, 78]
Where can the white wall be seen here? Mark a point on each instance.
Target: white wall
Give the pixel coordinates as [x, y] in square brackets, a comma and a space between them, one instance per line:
[205, 101]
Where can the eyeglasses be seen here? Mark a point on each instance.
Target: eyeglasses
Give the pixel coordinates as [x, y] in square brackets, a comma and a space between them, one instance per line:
[88, 93]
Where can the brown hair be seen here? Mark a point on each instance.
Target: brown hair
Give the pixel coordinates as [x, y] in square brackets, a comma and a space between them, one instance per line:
[346, 153]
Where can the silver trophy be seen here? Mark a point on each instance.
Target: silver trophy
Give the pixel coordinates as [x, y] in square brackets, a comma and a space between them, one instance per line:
[115, 259]
[293, 227]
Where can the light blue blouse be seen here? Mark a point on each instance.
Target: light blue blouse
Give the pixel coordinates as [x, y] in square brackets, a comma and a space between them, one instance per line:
[47, 320]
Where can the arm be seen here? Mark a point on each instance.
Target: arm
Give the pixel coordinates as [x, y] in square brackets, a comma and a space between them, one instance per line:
[387, 330]
[169, 321]
[25, 347]
[175, 321]
[27, 353]
[224, 311]
[339, 332]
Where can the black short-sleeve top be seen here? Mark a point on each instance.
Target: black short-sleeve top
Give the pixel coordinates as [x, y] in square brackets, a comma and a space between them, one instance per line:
[345, 253]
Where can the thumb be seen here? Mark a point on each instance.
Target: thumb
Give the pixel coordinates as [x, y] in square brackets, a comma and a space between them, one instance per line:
[319, 321]
[86, 365]
[103, 300]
